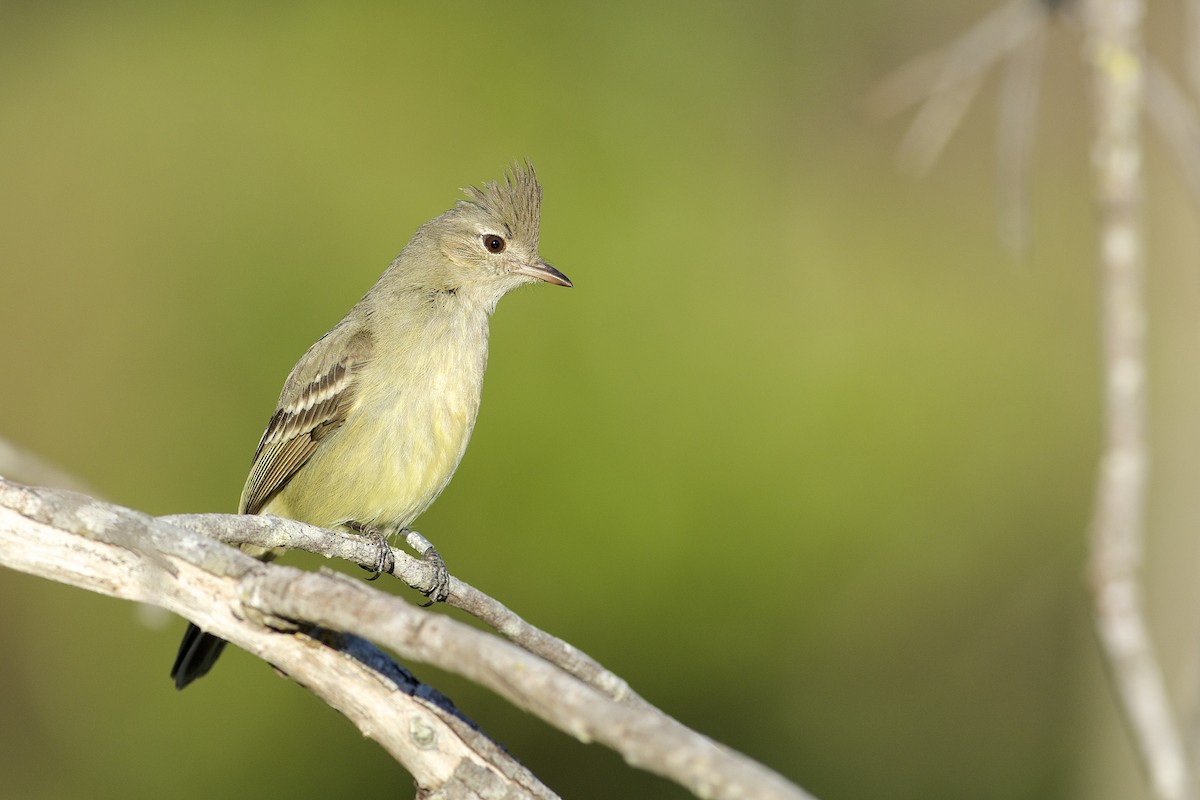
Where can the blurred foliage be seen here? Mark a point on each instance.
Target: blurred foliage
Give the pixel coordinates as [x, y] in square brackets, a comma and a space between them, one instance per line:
[804, 455]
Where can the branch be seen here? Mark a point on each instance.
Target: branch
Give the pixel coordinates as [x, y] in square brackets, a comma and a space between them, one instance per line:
[942, 84]
[23, 465]
[1015, 135]
[311, 627]
[272, 532]
[1113, 47]
[1175, 116]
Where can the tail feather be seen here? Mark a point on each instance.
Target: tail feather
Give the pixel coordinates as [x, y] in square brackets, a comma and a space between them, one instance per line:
[197, 653]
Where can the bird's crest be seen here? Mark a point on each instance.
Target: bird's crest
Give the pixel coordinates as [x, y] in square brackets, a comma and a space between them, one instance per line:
[517, 201]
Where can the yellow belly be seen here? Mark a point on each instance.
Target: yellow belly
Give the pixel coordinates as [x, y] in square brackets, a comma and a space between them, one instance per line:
[393, 456]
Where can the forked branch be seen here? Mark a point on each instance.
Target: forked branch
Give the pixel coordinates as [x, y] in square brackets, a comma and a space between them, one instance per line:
[313, 627]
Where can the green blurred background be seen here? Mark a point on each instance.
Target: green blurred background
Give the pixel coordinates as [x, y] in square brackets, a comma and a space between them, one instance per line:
[805, 456]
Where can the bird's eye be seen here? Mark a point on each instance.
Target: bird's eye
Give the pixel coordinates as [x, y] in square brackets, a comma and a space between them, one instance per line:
[494, 243]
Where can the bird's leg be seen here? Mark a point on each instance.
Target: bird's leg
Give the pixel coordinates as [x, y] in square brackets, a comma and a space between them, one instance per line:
[440, 589]
[384, 560]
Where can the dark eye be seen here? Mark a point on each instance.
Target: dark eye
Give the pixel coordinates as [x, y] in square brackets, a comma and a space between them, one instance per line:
[494, 243]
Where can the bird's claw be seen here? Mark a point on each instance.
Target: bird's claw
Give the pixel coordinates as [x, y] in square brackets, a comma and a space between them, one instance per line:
[384, 560]
[439, 588]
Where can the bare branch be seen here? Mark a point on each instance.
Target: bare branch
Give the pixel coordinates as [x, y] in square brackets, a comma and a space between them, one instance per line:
[1014, 138]
[645, 737]
[22, 465]
[271, 610]
[73, 539]
[1114, 50]
[1175, 117]
[945, 81]
[271, 532]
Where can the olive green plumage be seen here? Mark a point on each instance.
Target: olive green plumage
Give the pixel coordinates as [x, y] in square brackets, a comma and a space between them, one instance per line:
[375, 417]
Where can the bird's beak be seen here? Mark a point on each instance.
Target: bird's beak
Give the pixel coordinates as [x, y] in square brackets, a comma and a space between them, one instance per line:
[544, 272]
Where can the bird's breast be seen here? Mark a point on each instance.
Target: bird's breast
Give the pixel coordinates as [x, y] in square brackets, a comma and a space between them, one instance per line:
[401, 441]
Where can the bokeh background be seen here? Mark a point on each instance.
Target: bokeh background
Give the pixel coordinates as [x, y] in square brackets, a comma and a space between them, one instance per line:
[806, 455]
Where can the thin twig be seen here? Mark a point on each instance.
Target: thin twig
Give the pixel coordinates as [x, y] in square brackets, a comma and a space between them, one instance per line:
[1014, 139]
[1113, 49]
[272, 532]
[1174, 114]
[943, 83]
[645, 737]
[269, 610]
[20, 464]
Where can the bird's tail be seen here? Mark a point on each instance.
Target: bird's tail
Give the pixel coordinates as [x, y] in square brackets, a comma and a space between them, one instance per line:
[199, 650]
[197, 653]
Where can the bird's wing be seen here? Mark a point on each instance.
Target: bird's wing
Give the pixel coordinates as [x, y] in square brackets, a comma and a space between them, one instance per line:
[315, 401]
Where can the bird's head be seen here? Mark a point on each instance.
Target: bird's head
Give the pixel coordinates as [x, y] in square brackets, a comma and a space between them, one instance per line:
[488, 243]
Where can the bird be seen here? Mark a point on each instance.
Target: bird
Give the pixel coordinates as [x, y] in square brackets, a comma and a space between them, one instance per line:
[374, 418]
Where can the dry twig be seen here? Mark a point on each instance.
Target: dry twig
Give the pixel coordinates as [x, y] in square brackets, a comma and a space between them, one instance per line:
[942, 84]
[311, 627]
[1114, 50]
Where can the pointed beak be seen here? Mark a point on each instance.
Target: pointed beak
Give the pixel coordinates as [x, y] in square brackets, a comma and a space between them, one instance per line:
[544, 272]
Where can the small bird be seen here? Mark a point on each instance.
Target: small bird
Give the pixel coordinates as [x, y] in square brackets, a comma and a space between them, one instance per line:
[375, 417]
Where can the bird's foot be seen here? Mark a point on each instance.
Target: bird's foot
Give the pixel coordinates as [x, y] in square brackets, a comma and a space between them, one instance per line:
[439, 590]
[384, 560]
